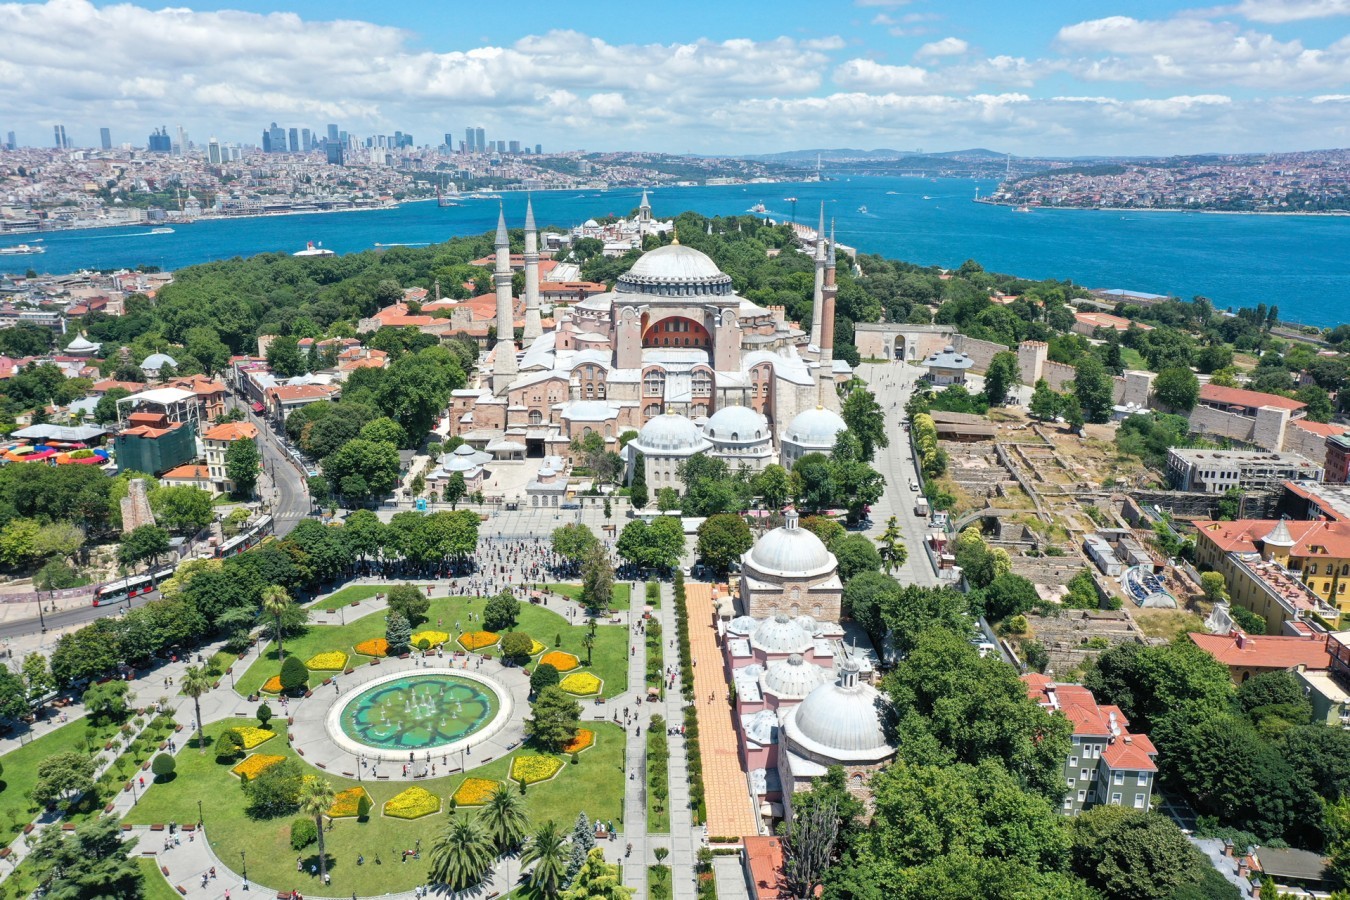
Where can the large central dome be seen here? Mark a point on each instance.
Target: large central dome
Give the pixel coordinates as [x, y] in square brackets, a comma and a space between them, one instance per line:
[791, 550]
[675, 270]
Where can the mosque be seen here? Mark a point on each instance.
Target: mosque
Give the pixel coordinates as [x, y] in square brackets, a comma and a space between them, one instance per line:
[672, 352]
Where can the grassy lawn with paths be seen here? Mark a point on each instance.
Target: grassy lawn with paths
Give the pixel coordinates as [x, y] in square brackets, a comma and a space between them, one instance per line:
[20, 770]
[349, 595]
[622, 593]
[595, 784]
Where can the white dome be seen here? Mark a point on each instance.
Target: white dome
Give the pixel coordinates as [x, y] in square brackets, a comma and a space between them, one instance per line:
[780, 634]
[675, 262]
[791, 551]
[794, 676]
[840, 722]
[738, 423]
[815, 427]
[807, 624]
[742, 625]
[80, 343]
[671, 432]
[762, 727]
[157, 361]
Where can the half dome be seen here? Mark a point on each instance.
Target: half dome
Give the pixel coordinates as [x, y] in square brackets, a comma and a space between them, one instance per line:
[815, 427]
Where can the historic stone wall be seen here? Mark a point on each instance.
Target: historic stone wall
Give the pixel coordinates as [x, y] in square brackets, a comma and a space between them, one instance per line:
[980, 351]
[1215, 422]
[1306, 444]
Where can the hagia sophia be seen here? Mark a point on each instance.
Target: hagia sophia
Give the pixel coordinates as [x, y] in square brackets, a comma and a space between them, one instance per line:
[672, 352]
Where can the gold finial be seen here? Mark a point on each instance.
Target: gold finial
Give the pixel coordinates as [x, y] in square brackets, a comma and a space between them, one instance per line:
[676, 232]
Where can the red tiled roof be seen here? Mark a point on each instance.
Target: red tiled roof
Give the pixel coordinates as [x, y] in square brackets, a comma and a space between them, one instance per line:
[1311, 538]
[187, 472]
[301, 391]
[1325, 429]
[231, 431]
[1213, 393]
[1080, 707]
[1264, 652]
[102, 387]
[764, 859]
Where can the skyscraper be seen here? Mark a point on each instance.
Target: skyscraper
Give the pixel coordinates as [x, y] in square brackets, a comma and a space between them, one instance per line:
[306, 140]
[213, 151]
[59, 135]
[538, 148]
[335, 152]
[332, 134]
[295, 140]
[11, 142]
[160, 142]
[515, 146]
[480, 140]
[468, 140]
[278, 138]
[449, 140]
[105, 138]
[501, 146]
[182, 145]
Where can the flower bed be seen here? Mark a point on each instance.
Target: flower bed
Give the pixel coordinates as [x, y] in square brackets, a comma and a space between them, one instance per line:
[347, 803]
[474, 791]
[254, 765]
[534, 769]
[413, 803]
[560, 660]
[327, 661]
[272, 685]
[581, 683]
[476, 640]
[253, 736]
[585, 738]
[373, 647]
[536, 648]
[432, 637]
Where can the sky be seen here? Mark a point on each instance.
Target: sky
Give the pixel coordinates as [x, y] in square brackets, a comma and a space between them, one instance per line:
[1046, 77]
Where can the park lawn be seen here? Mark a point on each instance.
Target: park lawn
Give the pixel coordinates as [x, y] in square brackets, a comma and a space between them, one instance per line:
[156, 886]
[622, 593]
[609, 661]
[20, 771]
[595, 784]
[349, 595]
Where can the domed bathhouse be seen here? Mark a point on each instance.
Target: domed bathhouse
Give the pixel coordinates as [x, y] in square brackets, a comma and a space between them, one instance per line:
[790, 571]
[812, 431]
[665, 442]
[740, 436]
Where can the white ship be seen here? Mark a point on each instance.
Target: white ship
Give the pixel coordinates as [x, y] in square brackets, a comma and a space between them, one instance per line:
[312, 249]
[22, 249]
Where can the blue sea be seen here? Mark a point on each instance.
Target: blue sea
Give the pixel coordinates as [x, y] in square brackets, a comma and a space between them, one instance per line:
[1298, 263]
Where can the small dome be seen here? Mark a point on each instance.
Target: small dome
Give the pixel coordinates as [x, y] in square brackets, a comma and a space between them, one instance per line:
[671, 432]
[815, 427]
[794, 676]
[737, 423]
[762, 727]
[675, 262]
[158, 361]
[80, 344]
[1279, 536]
[742, 625]
[780, 634]
[835, 719]
[791, 551]
[807, 624]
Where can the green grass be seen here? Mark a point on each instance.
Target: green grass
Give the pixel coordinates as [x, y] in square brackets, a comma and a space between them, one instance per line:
[658, 882]
[20, 770]
[609, 660]
[622, 592]
[156, 887]
[595, 784]
[658, 755]
[349, 595]
[1132, 359]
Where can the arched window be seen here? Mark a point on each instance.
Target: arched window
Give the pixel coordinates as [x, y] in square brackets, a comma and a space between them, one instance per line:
[654, 383]
[586, 432]
[536, 417]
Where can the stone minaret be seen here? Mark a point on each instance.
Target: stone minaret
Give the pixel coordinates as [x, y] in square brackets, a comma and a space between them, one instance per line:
[818, 302]
[829, 397]
[533, 326]
[504, 360]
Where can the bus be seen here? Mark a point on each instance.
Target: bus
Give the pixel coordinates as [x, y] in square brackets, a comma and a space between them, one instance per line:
[132, 586]
[249, 538]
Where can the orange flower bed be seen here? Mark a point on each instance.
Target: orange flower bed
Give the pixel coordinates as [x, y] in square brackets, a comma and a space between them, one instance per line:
[272, 685]
[373, 647]
[584, 739]
[253, 766]
[476, 640]
[347, 803]
[563, 662]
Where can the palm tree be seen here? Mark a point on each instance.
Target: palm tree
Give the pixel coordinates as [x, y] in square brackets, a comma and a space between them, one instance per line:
[275, 602]
[316, 798]
[588, 641]
[196, 683]
[462, 854]
[504, 818]
[548, 851]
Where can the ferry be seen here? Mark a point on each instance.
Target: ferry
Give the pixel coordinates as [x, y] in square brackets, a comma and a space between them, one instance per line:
[22, 249]
[863, 210]
[312, 249]
[161, 231]
[1023, 208]
[759, 209]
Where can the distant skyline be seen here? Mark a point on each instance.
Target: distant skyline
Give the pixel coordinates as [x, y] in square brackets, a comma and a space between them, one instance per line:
[1091, 77]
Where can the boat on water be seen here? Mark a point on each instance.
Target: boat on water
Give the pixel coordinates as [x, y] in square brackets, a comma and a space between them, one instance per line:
[312, 249]
[1023, 208]
[487, 196]
[22, 249]
[926, 197]
[161, 231]
[863, 210]
[759, 209]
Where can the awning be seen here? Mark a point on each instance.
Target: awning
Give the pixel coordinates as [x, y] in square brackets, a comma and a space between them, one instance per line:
[257, 407]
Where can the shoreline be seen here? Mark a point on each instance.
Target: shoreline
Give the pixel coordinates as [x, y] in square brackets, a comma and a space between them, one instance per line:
[1332, 213]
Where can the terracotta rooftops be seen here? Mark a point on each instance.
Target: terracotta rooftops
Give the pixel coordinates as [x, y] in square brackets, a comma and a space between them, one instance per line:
[1226, 396]
[231, 431]
[1267, 651]
[1092, 720]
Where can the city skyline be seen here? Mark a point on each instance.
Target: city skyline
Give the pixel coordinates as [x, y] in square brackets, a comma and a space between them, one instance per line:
[1111, 78]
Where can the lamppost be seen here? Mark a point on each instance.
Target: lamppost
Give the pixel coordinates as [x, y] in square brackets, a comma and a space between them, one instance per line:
[200, 823]
[134, 798]
[243, 860]
[41, 620]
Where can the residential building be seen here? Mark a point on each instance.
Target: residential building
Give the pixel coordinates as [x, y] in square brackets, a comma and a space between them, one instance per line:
[189, 475]
[153, 444]
[1246, 655]
[216, 441]
[281, 401]
[1217, 471]
[1106, 765]
[1315, 554]
[1338, 460]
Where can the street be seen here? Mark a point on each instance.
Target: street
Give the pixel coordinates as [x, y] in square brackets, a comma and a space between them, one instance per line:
[281, 484]
[66, 618]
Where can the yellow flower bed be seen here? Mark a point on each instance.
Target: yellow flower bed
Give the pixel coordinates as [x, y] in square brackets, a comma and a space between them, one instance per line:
[413, 803]
[272, 685]
[534, 769]
[373, 647]
[535, 647]
[253, 736]
[581, 684]
[477, 640]
[563, 662]
[474, 791]
[328, 661]
[584, 739]
[254, 765]
[433, 638]
[347, 803]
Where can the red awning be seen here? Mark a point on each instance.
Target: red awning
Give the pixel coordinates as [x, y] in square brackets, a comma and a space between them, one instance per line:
[257, 407]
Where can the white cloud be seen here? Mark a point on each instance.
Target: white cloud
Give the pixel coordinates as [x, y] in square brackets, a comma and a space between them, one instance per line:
[948, 46]
[868, 75]
[1280, 11]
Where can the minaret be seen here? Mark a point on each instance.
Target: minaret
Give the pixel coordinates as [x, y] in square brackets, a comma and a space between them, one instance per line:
[818, 302]
[504, 362]
[644, 208]
[533, 327]
[829, 397]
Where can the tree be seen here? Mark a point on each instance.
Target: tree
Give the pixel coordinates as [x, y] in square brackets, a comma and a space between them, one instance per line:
[516, 646]
[1177, 388]
[105, 411]
[597, 880]
[1274, 694]
[1009, 595]
[866, 597]
[144, 543]
[504, 818]
[890, 548]
[398, 632]
[196, 682]
[555, 717]
[597, 579]
[230, 746]
[808, 846]
[1214, 587]
[573, 542]
[1045, 404]
[59, 540]
[384, 429]
[1093, 389]
[773, 485]
[455, 489]
[855, 554]
[462, 854]
[637, 487]
[243, 463]
[375, 463]
[547, 852]
[409, 601]
[1147, 682]
[1320, 407]
[667, 499]
[866, 421]
[163, 767]
[183, 509]
[315, 799]
[1133, 854]
[500, 612]
[37, 678]
[275, 602]
[544, 675]
[722, 540]
[583, 839]
[1002, 374]
[62, 777]
[275, 791]
[264, 714]
[18, 542]
[284, 357]
[90, 863]
[107, 702]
